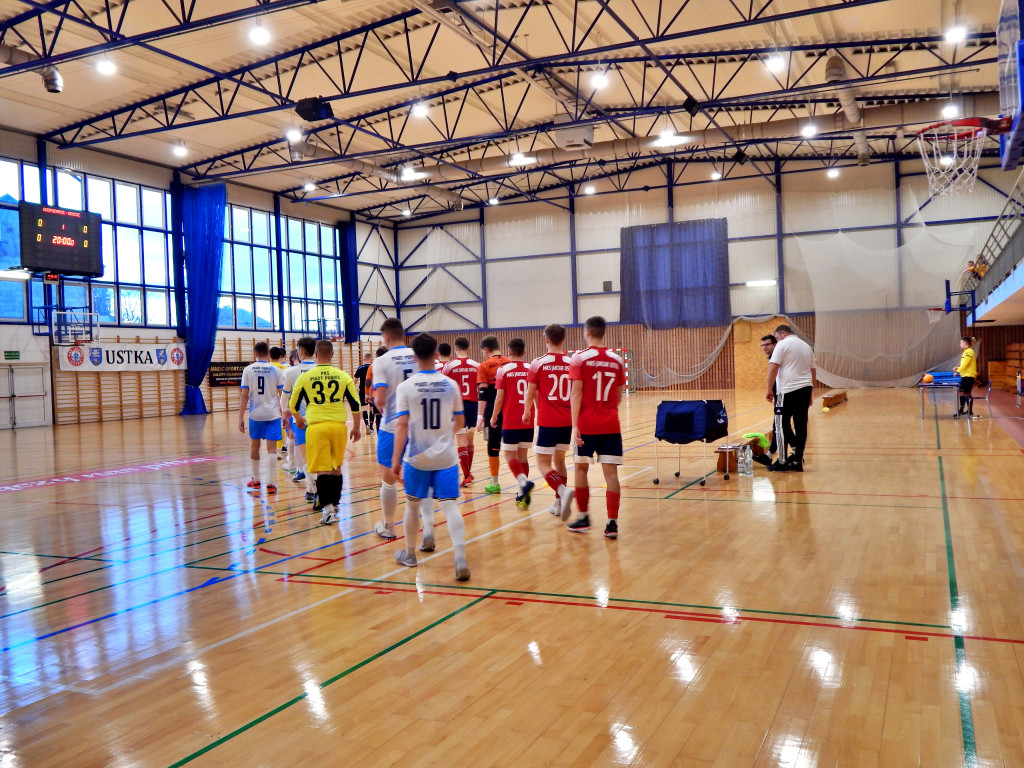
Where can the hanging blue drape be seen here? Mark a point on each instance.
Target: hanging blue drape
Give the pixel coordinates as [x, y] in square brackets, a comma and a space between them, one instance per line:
[203, 228]
[676, 275]
[348, 253]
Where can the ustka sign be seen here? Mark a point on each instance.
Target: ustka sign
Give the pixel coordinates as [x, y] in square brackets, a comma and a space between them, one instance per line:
[105, 357]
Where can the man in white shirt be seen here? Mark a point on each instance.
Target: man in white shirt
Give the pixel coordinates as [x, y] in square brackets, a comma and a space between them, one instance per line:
[261, 386]
[306, 347]
[389, 370]
[429, 413]
[791, 371]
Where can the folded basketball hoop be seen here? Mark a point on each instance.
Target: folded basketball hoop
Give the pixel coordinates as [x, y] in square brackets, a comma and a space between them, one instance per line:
[951, 151]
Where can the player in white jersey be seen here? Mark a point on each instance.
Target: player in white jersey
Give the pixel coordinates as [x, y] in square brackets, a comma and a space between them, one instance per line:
[306, 347]
[389, 370]
[261, 387]
[429, 414]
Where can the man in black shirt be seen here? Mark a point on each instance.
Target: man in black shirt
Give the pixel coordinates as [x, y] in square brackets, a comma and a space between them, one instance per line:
[360, 377]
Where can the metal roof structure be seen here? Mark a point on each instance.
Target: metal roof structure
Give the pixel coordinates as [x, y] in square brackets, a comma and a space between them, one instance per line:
[425, 106]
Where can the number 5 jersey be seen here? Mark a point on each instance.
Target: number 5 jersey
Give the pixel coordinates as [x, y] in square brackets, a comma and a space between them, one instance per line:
[431, 401]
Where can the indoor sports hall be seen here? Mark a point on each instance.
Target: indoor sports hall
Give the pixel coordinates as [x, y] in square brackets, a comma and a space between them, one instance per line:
[182, 181]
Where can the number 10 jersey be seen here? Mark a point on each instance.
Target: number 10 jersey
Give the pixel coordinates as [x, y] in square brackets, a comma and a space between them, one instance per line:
[431, 401]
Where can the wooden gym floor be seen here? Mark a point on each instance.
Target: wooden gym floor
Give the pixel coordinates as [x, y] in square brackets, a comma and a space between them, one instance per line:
[867, 612]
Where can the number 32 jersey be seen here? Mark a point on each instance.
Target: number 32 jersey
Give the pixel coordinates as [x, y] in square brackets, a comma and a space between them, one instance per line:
[550, 373]
[431, 401]
[324, 390]
[603, 374]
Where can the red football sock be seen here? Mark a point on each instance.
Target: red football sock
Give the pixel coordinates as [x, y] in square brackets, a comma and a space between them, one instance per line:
[565, 479]
[555, 480]
[464, 459]
[526, 467]
[583, 498]
[469, 462]
[515, 466]
[613, 504]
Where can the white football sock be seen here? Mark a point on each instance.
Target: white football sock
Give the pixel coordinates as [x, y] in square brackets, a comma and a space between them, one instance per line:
[271, 469]
[456, 527]
[411, 523]
[388, 502]
[254, 465]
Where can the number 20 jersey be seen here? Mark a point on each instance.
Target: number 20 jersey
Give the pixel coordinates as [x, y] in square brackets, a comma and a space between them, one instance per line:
[550, 373]
[431, 401]
[603, 374]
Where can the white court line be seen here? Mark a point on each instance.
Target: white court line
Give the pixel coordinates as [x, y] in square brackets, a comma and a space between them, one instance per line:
[184, 657]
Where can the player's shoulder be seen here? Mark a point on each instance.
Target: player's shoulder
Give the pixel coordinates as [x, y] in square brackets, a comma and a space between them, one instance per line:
[471, 362]
[586, 354]
[614, 356]
[505, 367]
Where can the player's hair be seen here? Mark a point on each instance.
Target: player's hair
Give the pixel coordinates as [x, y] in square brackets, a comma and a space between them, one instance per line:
[368, 356]
[444, 350]
[307, 344]
[381, 351]
[261, 348]
[555, 333]
[293, 356]
[769, 337]
[490, 343]
[392, 328]
[967, 339]
[424, 346]
[324, 348]
[276, 353]
[516, 346]
[462, 343]
[784, 329]
[595, 327]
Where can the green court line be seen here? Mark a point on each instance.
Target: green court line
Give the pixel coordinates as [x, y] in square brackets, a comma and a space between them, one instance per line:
[496, 590]
[709, 474]
[329, 681]
[966, 714]
[935, 410]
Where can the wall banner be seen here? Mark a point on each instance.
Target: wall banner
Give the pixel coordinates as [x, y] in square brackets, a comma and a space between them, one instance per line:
[105, 357]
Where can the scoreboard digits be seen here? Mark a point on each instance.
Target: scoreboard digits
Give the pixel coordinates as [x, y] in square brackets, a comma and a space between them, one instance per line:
[59, 240]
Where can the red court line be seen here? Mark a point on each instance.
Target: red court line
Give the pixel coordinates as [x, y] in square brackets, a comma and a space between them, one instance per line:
[72, 558]
[677, 615]
[272, 552]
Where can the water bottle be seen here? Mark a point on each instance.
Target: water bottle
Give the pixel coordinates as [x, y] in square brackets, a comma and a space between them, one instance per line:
[748, 462]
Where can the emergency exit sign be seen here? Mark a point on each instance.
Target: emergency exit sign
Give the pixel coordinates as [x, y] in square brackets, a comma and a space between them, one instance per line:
[10, 354]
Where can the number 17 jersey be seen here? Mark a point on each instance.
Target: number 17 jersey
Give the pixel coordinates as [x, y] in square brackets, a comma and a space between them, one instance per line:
[603, 374]
[550, 373]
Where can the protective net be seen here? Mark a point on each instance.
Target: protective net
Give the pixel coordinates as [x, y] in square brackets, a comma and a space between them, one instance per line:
[950, 152]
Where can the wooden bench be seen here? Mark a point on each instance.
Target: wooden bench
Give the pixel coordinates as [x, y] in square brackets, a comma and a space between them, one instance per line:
[728, 455]
[834, 398]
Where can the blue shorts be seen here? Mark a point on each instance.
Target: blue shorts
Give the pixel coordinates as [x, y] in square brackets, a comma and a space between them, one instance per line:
[300, 434]
[551, 439]
[607, 448]
[419, 482]
[265, 430]
[385, 448]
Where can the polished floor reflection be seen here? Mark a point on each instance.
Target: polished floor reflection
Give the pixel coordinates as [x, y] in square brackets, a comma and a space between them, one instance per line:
[869, 611]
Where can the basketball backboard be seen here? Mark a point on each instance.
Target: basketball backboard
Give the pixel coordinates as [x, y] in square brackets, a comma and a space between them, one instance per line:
[1010, 59]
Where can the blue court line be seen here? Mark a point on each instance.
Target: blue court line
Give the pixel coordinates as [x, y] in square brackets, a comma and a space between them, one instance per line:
[215, 580]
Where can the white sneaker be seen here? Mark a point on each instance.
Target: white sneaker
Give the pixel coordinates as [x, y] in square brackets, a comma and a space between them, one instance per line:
[287, 467]
[565, 496]
[329, 515]
[461, 569]
[428, 543]
[384, 532]
[404, 558]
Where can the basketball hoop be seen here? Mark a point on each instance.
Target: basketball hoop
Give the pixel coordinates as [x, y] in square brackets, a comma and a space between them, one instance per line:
[951, 151]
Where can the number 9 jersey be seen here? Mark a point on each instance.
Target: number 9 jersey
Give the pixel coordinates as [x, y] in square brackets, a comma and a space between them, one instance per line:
[324, 390]
[603, 375]
[431, 401]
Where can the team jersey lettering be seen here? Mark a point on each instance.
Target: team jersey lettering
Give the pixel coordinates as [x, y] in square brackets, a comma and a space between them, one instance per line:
[603, 375]
[550, 373]
[464, 372]
[511, 379]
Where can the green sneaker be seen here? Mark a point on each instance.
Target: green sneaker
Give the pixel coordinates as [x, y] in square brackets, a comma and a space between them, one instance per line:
[492, 488]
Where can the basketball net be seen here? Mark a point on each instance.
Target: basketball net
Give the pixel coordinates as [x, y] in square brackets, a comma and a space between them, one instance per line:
[951, 151]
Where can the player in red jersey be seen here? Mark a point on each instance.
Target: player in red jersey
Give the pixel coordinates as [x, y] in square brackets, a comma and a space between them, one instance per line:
[597, 377]
[485, 384]
[516, 430]
[464, 372]
[549, 387]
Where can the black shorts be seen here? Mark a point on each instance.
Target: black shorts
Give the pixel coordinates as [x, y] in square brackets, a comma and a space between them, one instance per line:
[551, 439]
[514, 439]
[471, 410]
[966, 385]
[607, 449]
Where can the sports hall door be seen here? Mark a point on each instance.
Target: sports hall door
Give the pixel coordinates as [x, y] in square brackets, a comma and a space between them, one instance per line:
[23, 398]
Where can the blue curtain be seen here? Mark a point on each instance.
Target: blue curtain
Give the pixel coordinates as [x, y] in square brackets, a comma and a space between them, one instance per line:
[348, 253]
[676, 275]
[203, 228]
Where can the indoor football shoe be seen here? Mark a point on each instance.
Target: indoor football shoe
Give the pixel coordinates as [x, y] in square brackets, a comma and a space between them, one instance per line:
[763, 459]
[492, 488]
[382, 530]
[253, 484]
[271, 488]
[779, 466]
[565, 497]
[428, 543]
[523, 497]
[330, 515]
[299, 476]
[580, 525]
[404, 558]
[466, 480]
[611, 531]
[461, 569]
[311, 498]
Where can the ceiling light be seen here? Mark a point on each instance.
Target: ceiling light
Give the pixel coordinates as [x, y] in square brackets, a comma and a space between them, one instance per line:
[760, 283]
[293, 135]
[407, 212]
[105, 66]
[775, 63]
[588, 190]
[493, 201]
[420, 109]
[833, 173]
[520, 159]
[411, 173]
[599, 80]
[259, 35]
[945, 161]
[956, 34]
[716, 175]
[950, 111]
[309, 186]
[809, 130]
[669, 138]
[180, 150]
